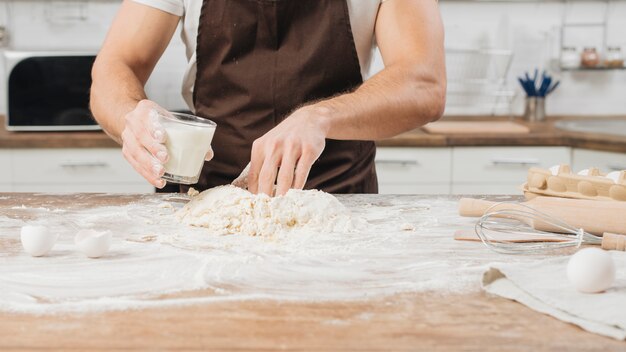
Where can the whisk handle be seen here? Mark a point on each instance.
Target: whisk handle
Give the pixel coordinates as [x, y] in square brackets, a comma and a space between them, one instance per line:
[474, 207]
[613, 241]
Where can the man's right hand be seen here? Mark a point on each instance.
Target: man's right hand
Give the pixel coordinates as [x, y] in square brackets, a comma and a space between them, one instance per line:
[143, 141]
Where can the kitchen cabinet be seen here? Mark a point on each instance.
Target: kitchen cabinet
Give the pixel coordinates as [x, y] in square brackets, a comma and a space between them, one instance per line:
[5, 174]
[462, 170]
[413, 170]
[74, 170]
[500, 170]
[605, 161]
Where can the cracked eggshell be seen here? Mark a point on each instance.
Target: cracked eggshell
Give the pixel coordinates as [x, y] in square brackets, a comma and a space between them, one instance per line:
[584, 172]
[614, 175]
[37, 240]
[92, 243]
[554, 170]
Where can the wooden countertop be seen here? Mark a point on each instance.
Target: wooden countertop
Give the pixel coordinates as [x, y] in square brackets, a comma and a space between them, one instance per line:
[74, 139]
[541, 134]
[416, 321]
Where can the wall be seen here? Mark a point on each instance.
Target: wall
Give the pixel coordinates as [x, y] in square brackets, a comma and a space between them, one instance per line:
[82, 25]
[530, 29]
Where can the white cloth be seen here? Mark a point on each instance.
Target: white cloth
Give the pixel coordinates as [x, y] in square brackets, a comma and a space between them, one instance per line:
[362, 20]
[543, 286]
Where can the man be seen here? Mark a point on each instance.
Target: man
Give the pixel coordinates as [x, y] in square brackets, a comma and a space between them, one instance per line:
[283, 80]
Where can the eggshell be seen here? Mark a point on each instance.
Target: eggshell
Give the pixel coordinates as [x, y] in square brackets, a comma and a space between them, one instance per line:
[92, 243]
[37, 240]
[554, 170]
[614, 175]
[591, 270]
[584, 172]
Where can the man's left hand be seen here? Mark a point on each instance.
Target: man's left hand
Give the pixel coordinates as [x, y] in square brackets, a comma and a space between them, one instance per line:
[286, 153]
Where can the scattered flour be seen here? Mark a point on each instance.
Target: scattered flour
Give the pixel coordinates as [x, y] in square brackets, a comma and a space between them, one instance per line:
[233, 210]
[154, 257]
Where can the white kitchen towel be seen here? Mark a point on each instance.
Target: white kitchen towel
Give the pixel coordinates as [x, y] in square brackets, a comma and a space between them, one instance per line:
[543, 286]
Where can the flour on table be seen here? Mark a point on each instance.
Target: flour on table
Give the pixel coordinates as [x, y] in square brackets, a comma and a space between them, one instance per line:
[232, 210]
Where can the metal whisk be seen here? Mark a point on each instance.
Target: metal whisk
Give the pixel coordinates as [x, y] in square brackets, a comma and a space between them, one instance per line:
[512, 230]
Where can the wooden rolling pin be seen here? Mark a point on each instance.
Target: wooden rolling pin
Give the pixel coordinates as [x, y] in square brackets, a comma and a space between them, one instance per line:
[594, 216]
[600, 218]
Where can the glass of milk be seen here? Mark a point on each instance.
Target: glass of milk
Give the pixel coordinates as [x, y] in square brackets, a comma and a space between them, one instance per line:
[188, 140]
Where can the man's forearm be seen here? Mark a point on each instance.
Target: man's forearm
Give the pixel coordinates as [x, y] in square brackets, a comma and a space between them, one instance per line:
[396, 100]
[115, 92]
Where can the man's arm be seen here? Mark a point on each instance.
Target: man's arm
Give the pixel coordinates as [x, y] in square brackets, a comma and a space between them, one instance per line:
[134, 44]
[409, 92]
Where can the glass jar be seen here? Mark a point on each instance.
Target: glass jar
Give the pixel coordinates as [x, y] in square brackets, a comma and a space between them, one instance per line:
[614, 57]
[569, 57]
[589, 58]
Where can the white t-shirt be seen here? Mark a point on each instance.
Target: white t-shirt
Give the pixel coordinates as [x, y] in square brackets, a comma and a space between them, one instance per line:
[362, 19]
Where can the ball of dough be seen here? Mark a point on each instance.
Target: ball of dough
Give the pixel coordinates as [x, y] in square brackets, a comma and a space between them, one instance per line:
[591, 270]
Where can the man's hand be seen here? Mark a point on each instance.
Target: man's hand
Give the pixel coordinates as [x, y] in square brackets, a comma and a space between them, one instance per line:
[286, 153]
[143, 141]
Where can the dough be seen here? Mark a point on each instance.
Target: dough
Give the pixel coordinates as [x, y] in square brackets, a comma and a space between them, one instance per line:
[232, 210]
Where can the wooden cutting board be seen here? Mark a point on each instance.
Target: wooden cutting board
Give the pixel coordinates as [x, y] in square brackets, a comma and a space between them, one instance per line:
[475, 127]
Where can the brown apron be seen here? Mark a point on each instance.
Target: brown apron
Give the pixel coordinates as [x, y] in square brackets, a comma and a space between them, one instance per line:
[258, 61]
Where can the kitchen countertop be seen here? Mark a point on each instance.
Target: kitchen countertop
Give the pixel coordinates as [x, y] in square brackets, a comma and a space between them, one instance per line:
[541, 134]
[408, 321]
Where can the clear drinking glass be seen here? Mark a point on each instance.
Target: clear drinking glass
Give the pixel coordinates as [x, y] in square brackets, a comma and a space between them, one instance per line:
[188, 140]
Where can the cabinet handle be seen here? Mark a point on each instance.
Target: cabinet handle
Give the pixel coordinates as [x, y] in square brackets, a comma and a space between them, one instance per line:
[76, 165]
[398, 162]
[614, 167]
[513, 162]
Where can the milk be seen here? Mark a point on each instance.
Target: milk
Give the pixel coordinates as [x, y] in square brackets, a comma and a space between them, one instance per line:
[187, 146]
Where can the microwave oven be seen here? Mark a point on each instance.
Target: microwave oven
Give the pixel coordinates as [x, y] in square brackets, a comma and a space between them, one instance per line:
[48, 91]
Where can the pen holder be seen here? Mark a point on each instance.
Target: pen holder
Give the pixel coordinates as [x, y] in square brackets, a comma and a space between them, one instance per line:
[535, 110]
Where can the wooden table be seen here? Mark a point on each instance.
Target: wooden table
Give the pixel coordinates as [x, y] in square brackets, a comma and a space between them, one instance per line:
[425, 321]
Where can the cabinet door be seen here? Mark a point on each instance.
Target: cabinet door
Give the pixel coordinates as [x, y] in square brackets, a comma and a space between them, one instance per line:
[75, 170]
[413, 170]
[5, 167]
[487, 188]
[500, 170]
[503, 164]
[605, 161]
[414, 188]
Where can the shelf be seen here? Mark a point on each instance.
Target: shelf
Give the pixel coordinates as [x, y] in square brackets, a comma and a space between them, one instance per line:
[593, 69]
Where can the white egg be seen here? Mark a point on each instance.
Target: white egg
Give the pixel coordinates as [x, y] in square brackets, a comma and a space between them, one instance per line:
[93, 244]
[584, 172]
[37, 240]
[554, 170]
[614, 175]
[591, 270]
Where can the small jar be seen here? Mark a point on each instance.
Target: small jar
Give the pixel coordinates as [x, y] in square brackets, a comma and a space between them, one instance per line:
[614, 57]
[589, 58]
[569, 57]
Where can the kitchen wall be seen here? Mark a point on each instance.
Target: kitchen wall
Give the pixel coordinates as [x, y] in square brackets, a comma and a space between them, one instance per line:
[58, 25]
[531, 29]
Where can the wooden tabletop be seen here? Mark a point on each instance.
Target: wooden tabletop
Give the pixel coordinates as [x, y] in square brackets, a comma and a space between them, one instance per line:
[428, 322]
[406, 322]
[541, 134]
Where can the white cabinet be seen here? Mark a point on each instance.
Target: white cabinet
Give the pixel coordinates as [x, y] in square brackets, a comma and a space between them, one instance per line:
[413, 170]
[500, 170]
[5, 170]
[462, 170]
[75, 170]
[605, 161]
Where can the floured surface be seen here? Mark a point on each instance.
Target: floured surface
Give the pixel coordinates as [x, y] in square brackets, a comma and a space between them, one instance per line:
[406, 246]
